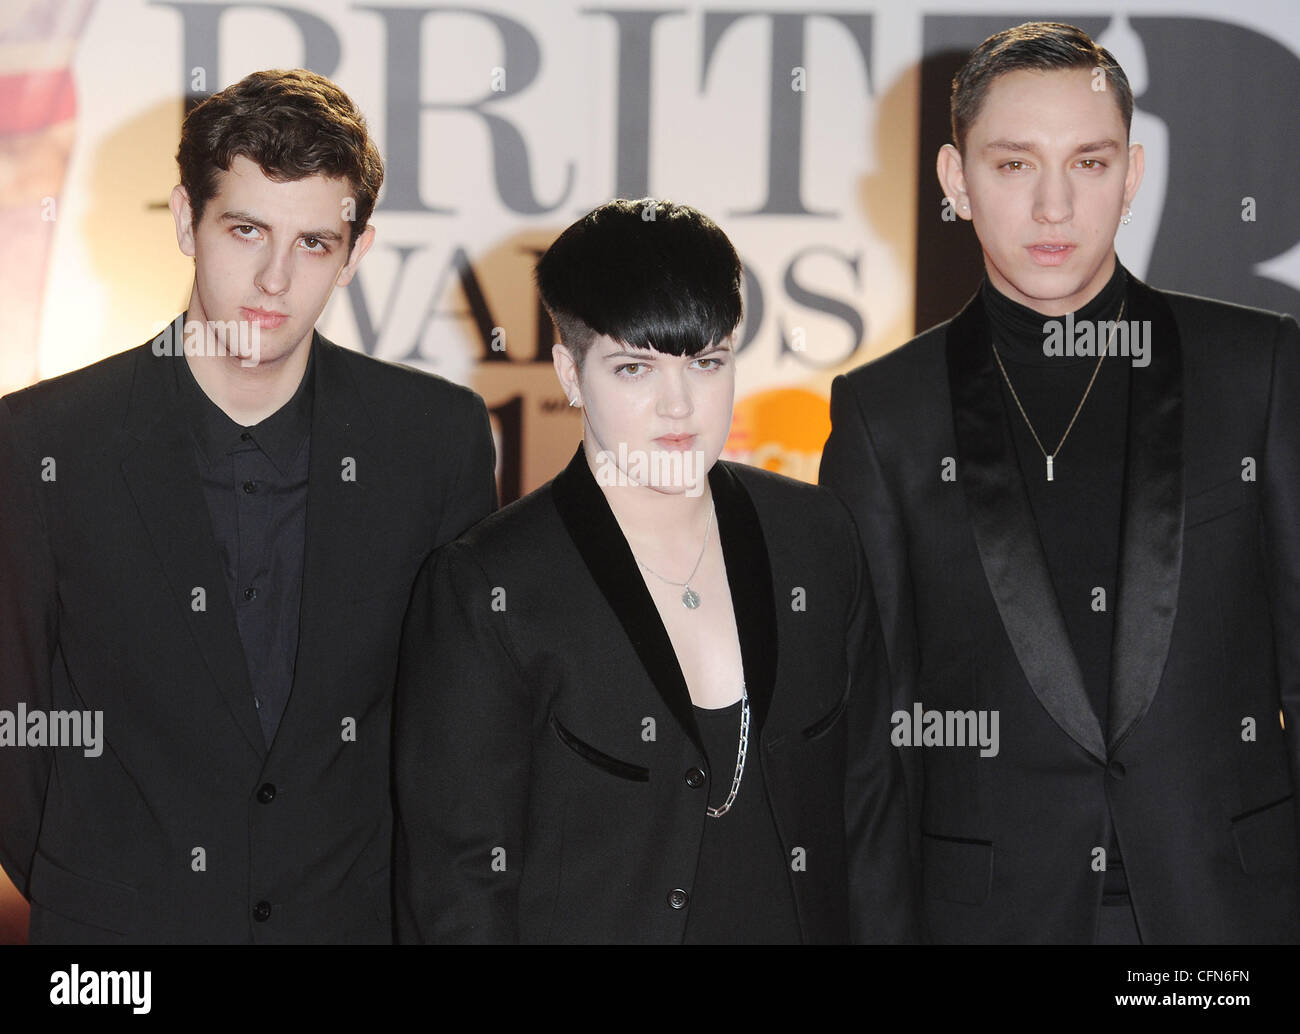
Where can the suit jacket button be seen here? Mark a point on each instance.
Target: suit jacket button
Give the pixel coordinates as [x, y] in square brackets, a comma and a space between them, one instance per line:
[694, 778]
[677, 898]
[262, 911]
[266, 793]
[1116, 770]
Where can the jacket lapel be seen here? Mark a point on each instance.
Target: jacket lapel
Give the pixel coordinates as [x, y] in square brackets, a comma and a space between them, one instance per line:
[344, 481]
[1151, 540]
[162, 476]
[749, 572]
[596, 535]
[1006, 535]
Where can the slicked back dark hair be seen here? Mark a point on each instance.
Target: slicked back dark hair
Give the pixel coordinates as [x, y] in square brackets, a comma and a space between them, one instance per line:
[649, 273]
[293, 124]
[1040, 46]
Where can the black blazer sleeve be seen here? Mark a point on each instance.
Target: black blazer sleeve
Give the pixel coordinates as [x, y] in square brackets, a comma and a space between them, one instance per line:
[851, 469]
[461, 751]
[474, 495]
[882, 893]
[28, 633]
[1280, 500]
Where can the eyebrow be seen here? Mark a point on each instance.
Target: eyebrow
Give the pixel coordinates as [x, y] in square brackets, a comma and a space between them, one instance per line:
[245, 219]
[1018, 145]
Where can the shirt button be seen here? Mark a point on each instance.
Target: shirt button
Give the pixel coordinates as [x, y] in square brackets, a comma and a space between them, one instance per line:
[694, 778]
[245, 437]
[678, 898]
[250, 593]
[1117, 770]
[250, 487]
[266, 793]
[262, 911]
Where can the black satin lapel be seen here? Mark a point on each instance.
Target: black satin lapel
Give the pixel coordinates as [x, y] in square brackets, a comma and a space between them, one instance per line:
[162, 475]
[1006, 535]
[340, 523]
[1151, 542]
[749, 573]
[596, 534]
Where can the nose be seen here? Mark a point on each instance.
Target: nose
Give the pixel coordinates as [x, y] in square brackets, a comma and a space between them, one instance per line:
[274, 275]
[674, 401]
[1053, 198]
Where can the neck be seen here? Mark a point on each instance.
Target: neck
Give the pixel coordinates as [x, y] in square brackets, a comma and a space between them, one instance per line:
[250, 394]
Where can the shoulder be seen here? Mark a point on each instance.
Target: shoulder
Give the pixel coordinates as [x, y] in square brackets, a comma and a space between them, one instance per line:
[81, 400]
[1196, 314]
[911, 369]
[515, 535]
[804, 511]
[395, 386]
[1224, 343]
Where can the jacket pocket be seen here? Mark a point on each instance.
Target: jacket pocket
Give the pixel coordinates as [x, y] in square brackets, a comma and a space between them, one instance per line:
[956, 869]
[827, 721]
[1215, 502]
[1266, 837]
[82, 899]
[615, 767]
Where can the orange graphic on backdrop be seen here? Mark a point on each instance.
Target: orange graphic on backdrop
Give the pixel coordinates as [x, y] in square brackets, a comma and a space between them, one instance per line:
[781, 430]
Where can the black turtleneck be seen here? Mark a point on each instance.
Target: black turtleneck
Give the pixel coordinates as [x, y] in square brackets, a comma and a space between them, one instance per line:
[1079, 512]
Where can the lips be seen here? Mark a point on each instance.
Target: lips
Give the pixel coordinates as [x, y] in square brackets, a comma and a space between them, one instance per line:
[264, 318]
[675, 441]
[1050, 253]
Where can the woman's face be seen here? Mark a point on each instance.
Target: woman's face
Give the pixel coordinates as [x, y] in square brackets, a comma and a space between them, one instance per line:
[652, 419]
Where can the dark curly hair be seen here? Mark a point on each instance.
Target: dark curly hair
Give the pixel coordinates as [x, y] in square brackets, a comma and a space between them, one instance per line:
[293, 124]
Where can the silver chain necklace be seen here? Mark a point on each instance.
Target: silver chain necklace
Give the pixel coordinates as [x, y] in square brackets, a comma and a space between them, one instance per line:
[741, 751]
[690, 598]
[1051, 457]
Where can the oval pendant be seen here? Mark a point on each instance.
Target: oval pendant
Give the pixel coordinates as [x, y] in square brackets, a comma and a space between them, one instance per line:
[690, 599]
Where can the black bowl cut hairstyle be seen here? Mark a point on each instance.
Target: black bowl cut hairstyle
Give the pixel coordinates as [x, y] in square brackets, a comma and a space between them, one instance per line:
[648, 273]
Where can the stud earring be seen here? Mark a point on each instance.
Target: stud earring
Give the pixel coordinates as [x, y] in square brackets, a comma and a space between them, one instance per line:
[1128, 216]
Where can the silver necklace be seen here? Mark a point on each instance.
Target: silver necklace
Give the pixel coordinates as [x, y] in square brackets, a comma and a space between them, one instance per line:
[690, 598]
[741, 751]
[1050, 457]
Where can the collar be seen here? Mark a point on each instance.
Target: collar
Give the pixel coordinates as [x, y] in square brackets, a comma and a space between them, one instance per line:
[1018, 329]
[280, 435]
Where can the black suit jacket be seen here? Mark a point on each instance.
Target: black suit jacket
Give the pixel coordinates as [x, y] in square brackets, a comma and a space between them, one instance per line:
[1194, 769]
[533, 803]
[187, 828]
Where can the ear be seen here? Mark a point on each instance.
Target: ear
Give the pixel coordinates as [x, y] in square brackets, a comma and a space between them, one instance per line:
[364, 239]
[952, 178]
[566, 369]
[1136, 167]
[179, 203]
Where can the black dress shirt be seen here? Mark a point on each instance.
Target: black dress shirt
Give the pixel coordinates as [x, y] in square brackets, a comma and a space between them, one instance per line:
[255, 484]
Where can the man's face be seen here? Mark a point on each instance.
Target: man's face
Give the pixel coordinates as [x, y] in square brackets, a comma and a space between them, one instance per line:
[1046, 175]
[269, 254]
